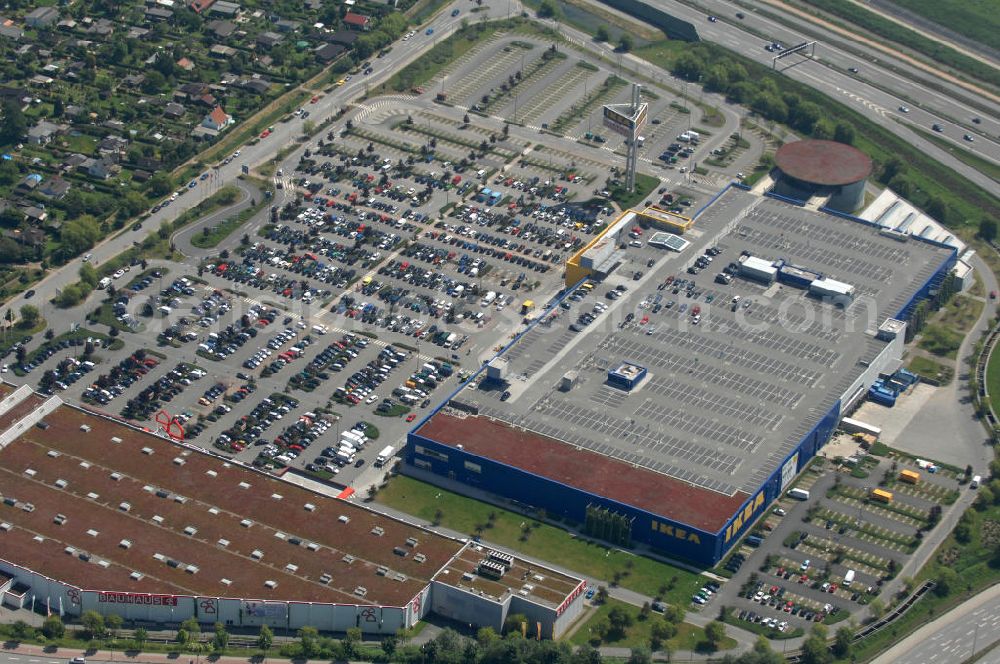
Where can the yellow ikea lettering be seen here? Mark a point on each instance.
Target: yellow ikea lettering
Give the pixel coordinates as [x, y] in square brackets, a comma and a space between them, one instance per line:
[693, 538]
[679, 533]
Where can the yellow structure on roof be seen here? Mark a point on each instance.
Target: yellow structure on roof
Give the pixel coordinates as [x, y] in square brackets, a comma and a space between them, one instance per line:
[666, 220]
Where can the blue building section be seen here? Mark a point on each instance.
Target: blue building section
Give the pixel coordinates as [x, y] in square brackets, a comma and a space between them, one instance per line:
[674, 538]
[929, 287]
[626, 376]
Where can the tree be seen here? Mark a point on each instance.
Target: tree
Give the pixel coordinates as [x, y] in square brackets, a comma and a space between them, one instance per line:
[22, 631]
[842, 642]
[53, 627]
[192, 627]
[640, 655]
[29, 315]
[602, 34]
[513, 622]
[113, 622]
[265, 639]
[389, 645]
[620, 620]
[715, 633]
[485, 636]
[946, 582]
[351, 641]
[814, 650]
[182, 637]
[221, 638]
[308, 637]
[93, 624]
[987, 231]
[140, 635]
[160, 184]
[88, 275]
[625, 43]
[13, 126]
[844, 133]
[547, 9]
[661, 630]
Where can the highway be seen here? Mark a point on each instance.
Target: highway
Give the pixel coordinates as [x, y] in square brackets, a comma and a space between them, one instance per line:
[865, 92]
[969, 628]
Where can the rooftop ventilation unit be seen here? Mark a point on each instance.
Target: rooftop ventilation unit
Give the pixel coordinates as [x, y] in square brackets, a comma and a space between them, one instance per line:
[490, 569]
[361, 591]
[500, 557]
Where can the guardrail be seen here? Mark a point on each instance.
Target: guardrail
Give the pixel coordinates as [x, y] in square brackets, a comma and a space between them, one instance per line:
[881, 623]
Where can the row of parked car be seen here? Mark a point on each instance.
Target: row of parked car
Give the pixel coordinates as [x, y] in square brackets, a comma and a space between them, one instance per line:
[163, 390]
[334, 357]
[248, 430]
[362, 383]
[119, 378]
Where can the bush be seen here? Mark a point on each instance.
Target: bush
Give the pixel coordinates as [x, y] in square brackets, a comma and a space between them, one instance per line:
[53, 627]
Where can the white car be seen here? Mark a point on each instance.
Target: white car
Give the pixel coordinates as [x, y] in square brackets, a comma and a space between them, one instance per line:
[371, 399]
[118, 274]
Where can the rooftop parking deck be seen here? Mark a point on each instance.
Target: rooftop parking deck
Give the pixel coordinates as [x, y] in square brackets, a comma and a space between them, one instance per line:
[194, 509]
[732, 385]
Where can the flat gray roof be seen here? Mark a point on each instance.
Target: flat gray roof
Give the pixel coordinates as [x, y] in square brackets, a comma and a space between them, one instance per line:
[728, 398]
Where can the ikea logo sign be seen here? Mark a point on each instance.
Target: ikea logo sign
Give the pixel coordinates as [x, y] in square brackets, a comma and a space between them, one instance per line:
[674, 531]
[746, 516]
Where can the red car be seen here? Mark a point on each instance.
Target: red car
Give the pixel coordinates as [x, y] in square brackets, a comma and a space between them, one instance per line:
[265, 133]
[411, 417]
[314, 99]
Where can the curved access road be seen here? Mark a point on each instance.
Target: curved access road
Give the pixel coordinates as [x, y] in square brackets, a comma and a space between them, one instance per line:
[249, 195]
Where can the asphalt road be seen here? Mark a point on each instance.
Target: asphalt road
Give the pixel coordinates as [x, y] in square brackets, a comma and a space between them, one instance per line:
[956, 636]
[247, 196]
[866, 92]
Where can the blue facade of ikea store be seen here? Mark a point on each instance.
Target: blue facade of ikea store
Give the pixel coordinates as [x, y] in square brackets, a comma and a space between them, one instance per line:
[671, 536]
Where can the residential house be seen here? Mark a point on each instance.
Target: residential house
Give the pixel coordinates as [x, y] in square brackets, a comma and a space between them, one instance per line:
[113, 147]
[68, 23]
[357, 21]
[269, 39]
[10, 31]
[34, 213]
[54, 188]
[133, 80]
[201, 5]
[329, 52]
[284, 25]
[220, 51]
[73, 162]
[43, 132]
[173, 110]
[41, 17]
[342, 37]
[103, 168]
[207, 100]
[135, 32]
[258, 85]
[28, 236]
[221, 29]
[217, 120]
[186, 64]
[224, 8]
[29, 183]
[157, 14]
[102, 27]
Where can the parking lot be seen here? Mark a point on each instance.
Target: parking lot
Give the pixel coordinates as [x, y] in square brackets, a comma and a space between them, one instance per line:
[820, 559]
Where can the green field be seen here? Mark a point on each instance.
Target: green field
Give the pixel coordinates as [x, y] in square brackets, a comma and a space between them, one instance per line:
[549, 543]
[977, 19]
[993, 380]
[934, 51]
[689, 637]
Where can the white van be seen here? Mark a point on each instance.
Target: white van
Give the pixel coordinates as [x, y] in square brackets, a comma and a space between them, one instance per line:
[975, 482]
[104, 283]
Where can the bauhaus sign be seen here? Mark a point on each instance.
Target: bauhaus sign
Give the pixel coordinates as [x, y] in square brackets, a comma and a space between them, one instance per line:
[137, 598]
